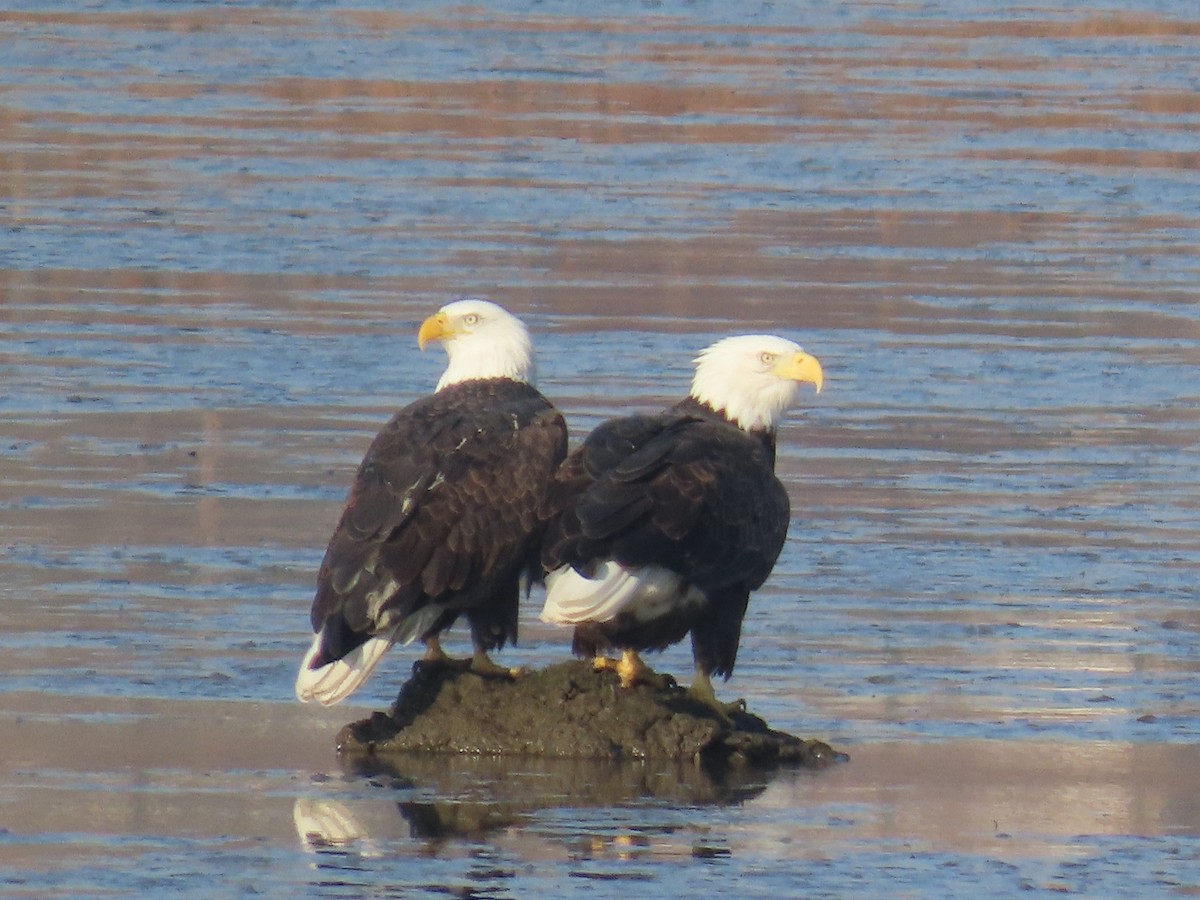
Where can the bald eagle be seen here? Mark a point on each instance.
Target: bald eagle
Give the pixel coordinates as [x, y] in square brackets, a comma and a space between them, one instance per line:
[663, 524]
[442, 518]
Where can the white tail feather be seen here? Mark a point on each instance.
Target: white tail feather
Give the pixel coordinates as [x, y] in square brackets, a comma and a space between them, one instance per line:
[337, 680]
[326, 823]
[647, 592]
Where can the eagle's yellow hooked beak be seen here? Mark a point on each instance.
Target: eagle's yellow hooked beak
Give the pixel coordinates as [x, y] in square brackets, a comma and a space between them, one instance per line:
[435, 328]
[801, 367]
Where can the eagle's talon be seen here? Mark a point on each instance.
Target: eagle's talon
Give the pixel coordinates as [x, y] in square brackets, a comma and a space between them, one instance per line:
[632, 671]
[482, 665]
[702, 691]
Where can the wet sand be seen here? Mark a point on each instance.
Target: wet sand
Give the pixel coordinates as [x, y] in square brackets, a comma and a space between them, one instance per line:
[112, 757]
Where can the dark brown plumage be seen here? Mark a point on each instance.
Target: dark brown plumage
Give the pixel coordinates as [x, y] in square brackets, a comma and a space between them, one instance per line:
[441, 519]
[662, 525]
[687, 491]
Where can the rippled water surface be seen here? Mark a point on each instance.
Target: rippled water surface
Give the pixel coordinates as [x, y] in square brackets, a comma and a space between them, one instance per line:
[220, 224]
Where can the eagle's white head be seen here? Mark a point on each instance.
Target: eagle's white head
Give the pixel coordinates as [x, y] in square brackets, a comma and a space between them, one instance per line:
[753, 378]
[483, 340]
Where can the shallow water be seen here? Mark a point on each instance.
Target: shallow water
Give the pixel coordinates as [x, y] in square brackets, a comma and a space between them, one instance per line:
[221, 226]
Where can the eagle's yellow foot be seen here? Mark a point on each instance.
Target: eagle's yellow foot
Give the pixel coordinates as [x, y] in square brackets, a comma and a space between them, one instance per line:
[481, 664]
[632, 671]
[702, 690]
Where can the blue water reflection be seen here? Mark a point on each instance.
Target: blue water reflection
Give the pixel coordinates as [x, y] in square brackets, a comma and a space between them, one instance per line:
[219, 227]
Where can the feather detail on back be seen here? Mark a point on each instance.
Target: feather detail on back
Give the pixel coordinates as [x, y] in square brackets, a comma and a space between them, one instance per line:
[441, 521]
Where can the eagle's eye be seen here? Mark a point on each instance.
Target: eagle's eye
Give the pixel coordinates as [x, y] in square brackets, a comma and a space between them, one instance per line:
[471, 319]
[767, 358]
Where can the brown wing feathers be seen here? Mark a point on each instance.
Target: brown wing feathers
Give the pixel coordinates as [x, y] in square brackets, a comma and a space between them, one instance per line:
[442, 510]
[692, 495]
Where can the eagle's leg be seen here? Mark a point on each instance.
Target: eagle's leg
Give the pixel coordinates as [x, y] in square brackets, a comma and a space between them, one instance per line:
[702, 690]
[436, 656]
[632, 671]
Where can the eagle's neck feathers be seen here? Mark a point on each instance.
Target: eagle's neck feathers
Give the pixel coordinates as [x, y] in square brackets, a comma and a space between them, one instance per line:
[504, 350]
[752, 401]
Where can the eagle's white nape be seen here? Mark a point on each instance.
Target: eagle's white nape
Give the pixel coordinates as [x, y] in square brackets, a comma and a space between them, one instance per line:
[740, 377]
[645, 592]
[482, 340]
[337, 680]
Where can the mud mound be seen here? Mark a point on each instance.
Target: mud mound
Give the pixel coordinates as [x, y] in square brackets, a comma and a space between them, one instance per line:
[568, 711]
